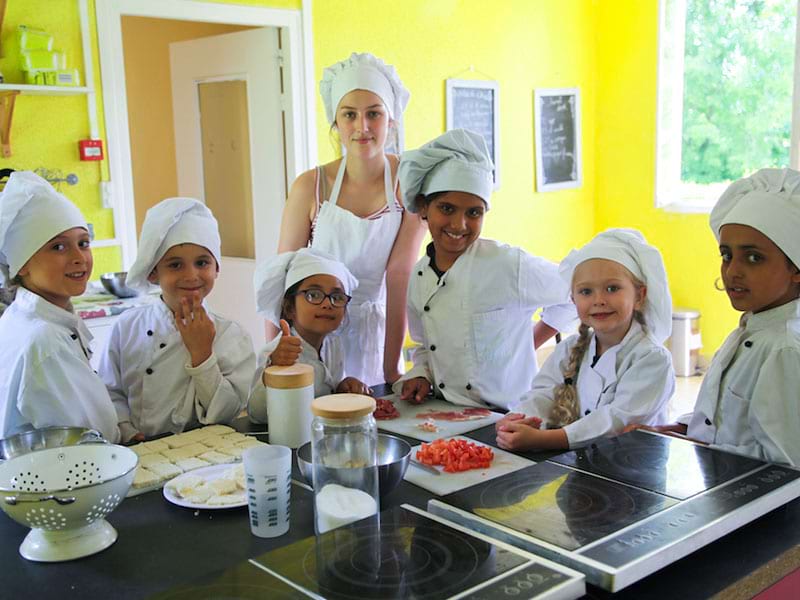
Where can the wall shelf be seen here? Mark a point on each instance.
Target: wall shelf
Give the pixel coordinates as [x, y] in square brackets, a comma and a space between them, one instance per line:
[9, 93]
[44, 90]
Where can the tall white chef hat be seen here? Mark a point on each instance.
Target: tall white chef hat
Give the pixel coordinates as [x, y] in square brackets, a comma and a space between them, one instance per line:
[276, 275]
[31, 213]
[171, 222]
[629, 248]
[365, 71]
[768, 200]
[456, 161]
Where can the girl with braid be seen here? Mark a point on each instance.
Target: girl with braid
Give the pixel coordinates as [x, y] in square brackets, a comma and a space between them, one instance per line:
[615, 371]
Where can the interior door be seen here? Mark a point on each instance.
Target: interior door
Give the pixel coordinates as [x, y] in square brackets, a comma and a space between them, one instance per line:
[229, 144]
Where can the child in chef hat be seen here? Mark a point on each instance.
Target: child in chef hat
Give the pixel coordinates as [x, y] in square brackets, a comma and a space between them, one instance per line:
[615, 371]
[305, 294]
[172, 364]
[749, 401]
[45, 376]
[471, 300]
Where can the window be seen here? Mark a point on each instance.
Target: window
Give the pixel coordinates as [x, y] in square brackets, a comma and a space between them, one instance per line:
[727, 73]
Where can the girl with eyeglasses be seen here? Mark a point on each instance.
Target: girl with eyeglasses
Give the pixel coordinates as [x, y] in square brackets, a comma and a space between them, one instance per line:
[305, 294]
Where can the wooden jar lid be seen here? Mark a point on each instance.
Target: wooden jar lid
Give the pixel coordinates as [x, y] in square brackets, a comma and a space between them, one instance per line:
[343, 406]
[287, 378]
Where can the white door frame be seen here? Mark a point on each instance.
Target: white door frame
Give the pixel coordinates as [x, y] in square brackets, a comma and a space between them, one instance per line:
[301, 146]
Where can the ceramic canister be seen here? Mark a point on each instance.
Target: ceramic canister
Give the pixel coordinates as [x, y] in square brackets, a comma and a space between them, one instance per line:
[290, 391]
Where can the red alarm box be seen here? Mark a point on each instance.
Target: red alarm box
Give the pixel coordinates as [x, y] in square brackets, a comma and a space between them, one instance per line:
[90, 149]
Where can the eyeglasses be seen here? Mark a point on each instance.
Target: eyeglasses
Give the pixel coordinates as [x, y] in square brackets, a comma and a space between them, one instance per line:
[316, 297]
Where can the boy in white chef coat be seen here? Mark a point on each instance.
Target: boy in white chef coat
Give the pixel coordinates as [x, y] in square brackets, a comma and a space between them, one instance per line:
[471, 300]
[616, 370]
[45, 376]
[749, 401]
[305, 294]
[173, 364]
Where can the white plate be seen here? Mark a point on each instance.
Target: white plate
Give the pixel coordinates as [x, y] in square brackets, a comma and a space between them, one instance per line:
[208, 473]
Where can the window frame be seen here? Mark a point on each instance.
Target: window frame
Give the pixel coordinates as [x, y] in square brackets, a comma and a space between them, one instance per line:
[671, 194]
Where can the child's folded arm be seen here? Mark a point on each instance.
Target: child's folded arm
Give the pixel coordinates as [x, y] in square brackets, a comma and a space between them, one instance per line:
[222, 382]
[257, 399]
[775, 408]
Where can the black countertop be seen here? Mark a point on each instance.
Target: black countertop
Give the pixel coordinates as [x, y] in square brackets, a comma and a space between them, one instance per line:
[161, 545]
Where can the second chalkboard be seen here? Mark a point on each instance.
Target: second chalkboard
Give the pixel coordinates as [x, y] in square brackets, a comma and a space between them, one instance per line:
[558, 139]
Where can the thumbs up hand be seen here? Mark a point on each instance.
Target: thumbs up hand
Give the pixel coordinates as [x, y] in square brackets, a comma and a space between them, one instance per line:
[289, 347]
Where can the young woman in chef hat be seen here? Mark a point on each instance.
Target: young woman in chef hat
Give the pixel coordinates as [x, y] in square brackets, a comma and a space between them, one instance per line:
[172, 364]
[471, 300]
[749, 401]
[350, 209]
[615, 371]
[305, 294]
[45, 375]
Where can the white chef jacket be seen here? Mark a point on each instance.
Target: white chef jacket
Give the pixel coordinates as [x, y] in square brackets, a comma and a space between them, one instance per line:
[475, 325]
[749, 401]
[45, 376]
[631, 382]
[328, 371]
[149, 376]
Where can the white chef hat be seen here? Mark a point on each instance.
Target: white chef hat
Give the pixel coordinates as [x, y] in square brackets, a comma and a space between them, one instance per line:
[629, 248]
[768, 201]
[171, 222]
[365, 71]
[31, 213]
[456, 161]
[276, 275]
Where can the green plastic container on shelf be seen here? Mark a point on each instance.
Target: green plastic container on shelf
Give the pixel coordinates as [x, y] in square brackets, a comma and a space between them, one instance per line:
[37, 60]
[29, 38]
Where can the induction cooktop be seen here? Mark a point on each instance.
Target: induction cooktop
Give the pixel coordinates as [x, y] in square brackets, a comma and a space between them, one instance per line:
[411, 554]
[624, 508]
[662, 464]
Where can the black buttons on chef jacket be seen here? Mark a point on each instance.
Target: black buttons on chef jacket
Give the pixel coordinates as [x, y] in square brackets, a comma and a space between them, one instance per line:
[708, 421]
[162, 345]
[149, 332]
[149, 371]
[469, 386]
[419, 273]
[748, 344]
[74, 336]
[441, 386]
[587, 411]
[433, 347]
[426, 308]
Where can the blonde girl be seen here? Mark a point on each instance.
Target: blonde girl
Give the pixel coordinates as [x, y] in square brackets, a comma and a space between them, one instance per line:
[615, 371]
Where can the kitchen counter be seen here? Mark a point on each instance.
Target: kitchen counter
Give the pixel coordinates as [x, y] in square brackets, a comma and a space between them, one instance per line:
[161, 545]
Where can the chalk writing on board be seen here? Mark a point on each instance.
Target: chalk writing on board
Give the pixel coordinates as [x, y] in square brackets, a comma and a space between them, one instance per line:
[558, 140]
[473, 105]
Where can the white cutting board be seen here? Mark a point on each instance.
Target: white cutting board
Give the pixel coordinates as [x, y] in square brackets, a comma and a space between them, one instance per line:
[447, 483]
[406, 423]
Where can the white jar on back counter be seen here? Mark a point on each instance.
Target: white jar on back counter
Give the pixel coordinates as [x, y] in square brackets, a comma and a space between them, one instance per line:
[344, 445]
[290, 391]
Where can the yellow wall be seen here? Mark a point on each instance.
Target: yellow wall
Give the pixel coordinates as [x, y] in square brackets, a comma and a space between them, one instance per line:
[606, 48]
[627, 53]
[148, 83]
[521, 44]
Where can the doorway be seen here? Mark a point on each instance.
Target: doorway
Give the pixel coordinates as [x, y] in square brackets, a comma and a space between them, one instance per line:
[298, 148]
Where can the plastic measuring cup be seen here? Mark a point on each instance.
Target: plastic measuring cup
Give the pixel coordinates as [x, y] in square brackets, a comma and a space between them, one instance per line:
[268, 473]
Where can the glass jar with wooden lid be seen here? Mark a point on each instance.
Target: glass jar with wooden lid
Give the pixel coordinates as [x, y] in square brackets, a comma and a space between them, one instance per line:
[344, 441]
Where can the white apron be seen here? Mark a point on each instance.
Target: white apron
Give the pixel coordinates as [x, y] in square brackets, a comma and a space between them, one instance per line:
[364, 246]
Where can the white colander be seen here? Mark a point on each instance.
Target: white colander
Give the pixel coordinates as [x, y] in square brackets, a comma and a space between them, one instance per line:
[63, 495]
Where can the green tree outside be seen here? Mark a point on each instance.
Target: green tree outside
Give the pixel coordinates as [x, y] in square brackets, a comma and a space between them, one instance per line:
[738, 79]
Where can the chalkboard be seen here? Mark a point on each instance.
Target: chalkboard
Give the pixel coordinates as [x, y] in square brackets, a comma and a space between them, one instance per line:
[473, 105]
[558, 139]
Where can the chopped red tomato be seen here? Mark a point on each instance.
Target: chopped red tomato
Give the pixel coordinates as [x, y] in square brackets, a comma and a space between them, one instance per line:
[456, 455]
